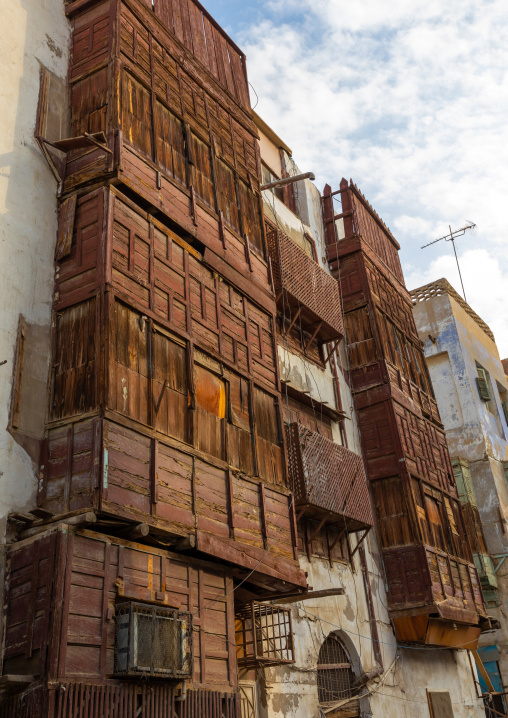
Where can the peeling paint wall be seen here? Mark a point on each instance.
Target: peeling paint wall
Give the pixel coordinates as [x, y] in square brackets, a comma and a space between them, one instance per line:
[36, 34]
[475, 430]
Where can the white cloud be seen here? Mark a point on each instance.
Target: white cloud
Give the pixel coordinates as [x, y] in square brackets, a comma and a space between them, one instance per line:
[410, 100]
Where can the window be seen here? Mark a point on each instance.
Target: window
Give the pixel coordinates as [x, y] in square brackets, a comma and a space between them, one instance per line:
[335, 675]
[269, 449]
[440, 704]
[210, 394]
[153, 641]
[503, 395]
[267, 177]
[482, 382]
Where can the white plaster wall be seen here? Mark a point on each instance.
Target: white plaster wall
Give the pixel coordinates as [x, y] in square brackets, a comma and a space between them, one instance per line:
[34, 32]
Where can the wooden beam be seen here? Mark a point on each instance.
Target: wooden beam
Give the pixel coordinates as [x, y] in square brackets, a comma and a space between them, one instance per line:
[297, 314]
[139, 531]
[483, 671]
[360, 542]
[337, 539]
[78, 520]
[312, 594]
[316, 330]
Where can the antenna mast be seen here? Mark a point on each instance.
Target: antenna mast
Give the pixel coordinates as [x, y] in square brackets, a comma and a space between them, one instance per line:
[451, 238]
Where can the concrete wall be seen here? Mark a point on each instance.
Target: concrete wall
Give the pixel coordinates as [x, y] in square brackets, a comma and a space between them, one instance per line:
[35, 33]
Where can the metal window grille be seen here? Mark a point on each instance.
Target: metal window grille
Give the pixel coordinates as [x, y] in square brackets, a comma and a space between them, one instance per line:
[264, 636]
[152, 641]
[335, 676]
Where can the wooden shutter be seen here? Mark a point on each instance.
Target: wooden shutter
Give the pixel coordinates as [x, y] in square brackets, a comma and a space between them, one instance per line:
[169, 141]
[129, 375]
[251, 218]
[268, 442]
[202, 170]
[74, 379]
[226, 194]
[482, 384]
[210, 393]
[169, 386]
[239, 428]
[137, 114]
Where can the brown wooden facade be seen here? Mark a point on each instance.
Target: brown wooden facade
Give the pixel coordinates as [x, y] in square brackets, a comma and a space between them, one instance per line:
[176, 132]
[62, 589]
[164, 418]
[432, 581]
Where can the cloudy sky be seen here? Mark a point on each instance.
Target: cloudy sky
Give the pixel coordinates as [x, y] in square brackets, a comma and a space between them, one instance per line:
[410, 99]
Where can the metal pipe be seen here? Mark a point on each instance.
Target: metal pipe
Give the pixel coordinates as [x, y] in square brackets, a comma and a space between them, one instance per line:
[289, 180]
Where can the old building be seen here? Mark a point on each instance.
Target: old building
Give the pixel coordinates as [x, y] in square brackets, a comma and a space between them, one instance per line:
[357, 627]
[193, 457]
[471, 389]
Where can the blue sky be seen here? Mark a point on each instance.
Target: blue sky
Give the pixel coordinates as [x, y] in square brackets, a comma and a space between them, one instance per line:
[410, 99]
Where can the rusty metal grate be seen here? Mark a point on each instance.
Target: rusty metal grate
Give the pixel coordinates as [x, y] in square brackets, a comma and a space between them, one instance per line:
[264, 635]
[152, 641]
[307, 287]
[335, 676]
[328, 478]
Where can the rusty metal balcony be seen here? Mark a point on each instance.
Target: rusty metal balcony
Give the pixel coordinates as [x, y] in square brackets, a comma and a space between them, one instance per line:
[329, 481]
[305, 292]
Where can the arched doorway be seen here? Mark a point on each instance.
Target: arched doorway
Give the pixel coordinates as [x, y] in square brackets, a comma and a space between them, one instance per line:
[335, 679]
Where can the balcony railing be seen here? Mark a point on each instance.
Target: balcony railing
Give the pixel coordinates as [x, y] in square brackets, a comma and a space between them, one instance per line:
[305, 292]
[328, 480]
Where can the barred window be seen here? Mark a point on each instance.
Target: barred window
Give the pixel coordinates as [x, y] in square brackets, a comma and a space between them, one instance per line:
[335, 675]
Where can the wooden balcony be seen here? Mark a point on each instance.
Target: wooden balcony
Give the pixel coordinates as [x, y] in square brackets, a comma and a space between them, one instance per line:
[306, 294]
[428, 591]
[329, 480]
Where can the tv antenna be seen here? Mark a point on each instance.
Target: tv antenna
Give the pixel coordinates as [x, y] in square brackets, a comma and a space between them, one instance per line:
[451, 237]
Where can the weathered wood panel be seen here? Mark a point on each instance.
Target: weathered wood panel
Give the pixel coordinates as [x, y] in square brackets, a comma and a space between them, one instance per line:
[29, 577]
[114, 699]
[422, 575]
[116, 244]
[180, 130]
[419, 518]
[76, 362]
[140, 478]
[70, 474]
[93, 572]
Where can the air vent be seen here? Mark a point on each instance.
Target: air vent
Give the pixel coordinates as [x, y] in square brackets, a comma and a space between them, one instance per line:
[152, 641]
